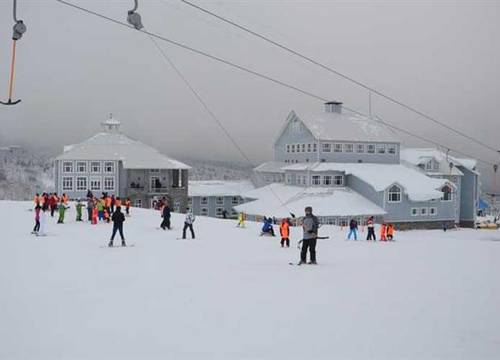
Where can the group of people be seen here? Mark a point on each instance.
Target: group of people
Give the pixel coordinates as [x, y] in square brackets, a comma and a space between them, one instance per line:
[165, 210]
[45, 203]
[386, 230]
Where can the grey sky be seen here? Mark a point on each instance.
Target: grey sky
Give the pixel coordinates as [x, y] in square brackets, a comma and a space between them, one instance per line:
[73, 69]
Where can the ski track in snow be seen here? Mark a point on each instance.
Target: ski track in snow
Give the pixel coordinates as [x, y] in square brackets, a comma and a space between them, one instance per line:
[232, 295]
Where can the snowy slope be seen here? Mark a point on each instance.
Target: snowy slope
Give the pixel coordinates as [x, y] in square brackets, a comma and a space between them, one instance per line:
[232, 295]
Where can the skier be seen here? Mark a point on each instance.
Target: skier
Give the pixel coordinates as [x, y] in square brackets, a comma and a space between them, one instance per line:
[37, 219]
[188, 223]
[285, 232]
[241, 220]
[79, 207]
[390, 232]
[53, 203]
[371, 229]
[43, 222]
[353, 229]
[90, 206]
[165, 214]
[127, 206]
[267, 227]
[383, 232]
[95, 215]
[100, 209]
[107, 203]
[118, 218]
[310, 226]
[36, 200]
[62, 210]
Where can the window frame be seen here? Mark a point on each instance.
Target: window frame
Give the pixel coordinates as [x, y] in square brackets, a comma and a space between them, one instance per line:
[313, 180]
[338, 148]
[435, 211]
[414, 212]
[380, 149]
[235, 200]
[63, 185]
[341, 177]
[106, 163]
[326, 147]
[348, 148]
[450, 193]
[327, 180]
[218, 211]
[424, 211]
[82, 188]
[104, 184]
[219, 200]
[92, 164]
[204, 211]
[93, 179]
[391, 149]
[203, 200]
[371, 149]
[78, 163]
[391, 193]
[64, 163]
[358, 147]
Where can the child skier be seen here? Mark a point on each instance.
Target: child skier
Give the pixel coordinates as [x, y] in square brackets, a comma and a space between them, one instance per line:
[383, 232]
[353, 229]
[285, 232]
[390, 232]
[188, 223]
[241, 220]
[62, 210]
[79, 207]
[37, 218]
[267, 227]
[43, 222]
[371, 229]
[118, 219]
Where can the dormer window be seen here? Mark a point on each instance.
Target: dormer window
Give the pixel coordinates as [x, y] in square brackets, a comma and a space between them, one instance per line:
[447, 193]
[394, 194]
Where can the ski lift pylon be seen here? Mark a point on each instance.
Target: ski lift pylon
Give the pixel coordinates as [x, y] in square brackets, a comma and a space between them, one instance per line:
[134, 18]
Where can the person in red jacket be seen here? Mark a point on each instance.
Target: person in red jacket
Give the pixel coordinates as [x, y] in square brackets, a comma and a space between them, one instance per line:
[285, 232]
[53, 200]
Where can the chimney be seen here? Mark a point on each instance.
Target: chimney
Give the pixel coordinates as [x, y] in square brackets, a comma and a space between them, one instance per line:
[333, 107]
[111, 125]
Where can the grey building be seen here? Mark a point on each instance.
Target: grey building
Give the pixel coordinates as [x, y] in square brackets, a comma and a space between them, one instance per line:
[342, 153]
[213, 197]
[114, 163]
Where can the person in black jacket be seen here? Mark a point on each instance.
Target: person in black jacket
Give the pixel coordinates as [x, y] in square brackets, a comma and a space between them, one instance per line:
[165, 214]
[118, 218]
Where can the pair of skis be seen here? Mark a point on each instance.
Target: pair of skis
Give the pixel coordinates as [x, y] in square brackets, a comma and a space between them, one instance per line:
[299, 246]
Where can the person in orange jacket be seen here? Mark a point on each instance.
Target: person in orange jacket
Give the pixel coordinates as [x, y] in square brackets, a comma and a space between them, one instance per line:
[127, 206]
[94, 215]
[107, 203]
[65, 199]
[390, 232]
[383, 232]
[36, 200]
[285, 232]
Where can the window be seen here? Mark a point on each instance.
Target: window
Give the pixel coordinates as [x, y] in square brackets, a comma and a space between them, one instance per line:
[315, 147]
[219, 200]
[190, 201]
[380, 149]
[138, 203]
[203, 211]
[235, 200]
[109, 183]
[338, 180]
[316, 180]
[337, 148]
[218, 211]
[296, 127]
[67, 183]
[391, 149]
[432, 211]
[109, 167]
[370, 149]
[95, 183]
[447, 193]
[394, 194]
[423, 211]
[154, 171]
[67, 167]
[414, 212]
[428, 166]
[81, 166]
[360, 148]
[293, 148]
[303, 148]
[435, 166]
[288, 178]
[343, 222]
[348, 148]
[288, 148]
[177, 206]
[81, 183]
[309, 147]
[95, 167]
[204, 200]
[326, 147]
[327, 180]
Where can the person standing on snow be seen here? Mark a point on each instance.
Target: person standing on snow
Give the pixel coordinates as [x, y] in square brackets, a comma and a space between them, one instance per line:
[118, 219]
[285, 232]
[127, 206]
[383, 232]
[43, 222]
[53, 203]
[165, 214]
[79, 207]
[188, 223]
[353, 229]
[390, 232]
[37, 218]
[90, 206]
[62, 210]
[371, 229]
[310, 226]
[241, 220]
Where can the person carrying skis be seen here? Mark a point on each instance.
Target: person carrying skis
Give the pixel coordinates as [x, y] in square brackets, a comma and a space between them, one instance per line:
[383, 232]
[38, 208]
[118, 219]
[62, 210]
[79, 207]
[390, 232]
[353, 229]
[310, 226]
[165, 214]
[241, 220]
[188, 223]
[371, 229]
[267, 227]
[285, 232]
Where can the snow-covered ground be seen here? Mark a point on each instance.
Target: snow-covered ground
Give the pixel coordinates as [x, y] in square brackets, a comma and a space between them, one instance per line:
[232, 295]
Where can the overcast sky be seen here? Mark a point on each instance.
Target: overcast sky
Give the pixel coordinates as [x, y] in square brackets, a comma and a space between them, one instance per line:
[442, 57]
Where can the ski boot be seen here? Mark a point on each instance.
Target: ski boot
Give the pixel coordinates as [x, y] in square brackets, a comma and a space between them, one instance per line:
[110, 244]
[312, 263]
[123, 243]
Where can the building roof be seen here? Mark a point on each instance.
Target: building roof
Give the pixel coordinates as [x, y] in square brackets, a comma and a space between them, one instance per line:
[345, 126]
[417, 185]
[271, 166]
[418, 156]
[280, 200]
[116, 146]
[219, 188]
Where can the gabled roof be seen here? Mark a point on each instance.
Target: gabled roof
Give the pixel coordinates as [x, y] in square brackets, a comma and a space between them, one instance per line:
[417, 185]
[419, 156]
[116, 146]
[280, 200]
[345, 126]
[219, 188]
[271, 166]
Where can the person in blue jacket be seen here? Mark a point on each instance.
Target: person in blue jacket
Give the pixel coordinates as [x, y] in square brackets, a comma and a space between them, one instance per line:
[267, 227]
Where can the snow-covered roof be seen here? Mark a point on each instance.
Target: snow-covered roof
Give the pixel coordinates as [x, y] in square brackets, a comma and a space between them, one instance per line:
[418, 156]
[345, 126]
[417, 185]
[116, 146]
[219, 188]
[271, 166]
[280, 200]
